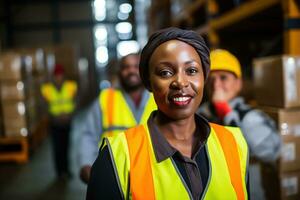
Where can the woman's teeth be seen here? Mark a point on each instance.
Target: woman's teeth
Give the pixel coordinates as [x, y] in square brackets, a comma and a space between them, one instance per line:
[181, 99]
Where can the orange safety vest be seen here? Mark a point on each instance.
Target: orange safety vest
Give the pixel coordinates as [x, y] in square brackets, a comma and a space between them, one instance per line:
[117, 115]
[140, 176]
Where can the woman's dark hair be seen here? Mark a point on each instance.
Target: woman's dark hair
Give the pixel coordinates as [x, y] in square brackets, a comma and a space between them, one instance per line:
[190, 37]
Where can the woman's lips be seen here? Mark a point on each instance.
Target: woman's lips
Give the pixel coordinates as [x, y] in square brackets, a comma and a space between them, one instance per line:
[181, 100]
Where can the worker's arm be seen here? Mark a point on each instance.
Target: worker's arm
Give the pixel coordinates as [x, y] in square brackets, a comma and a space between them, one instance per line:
[259, 131]
[261, 135]
[103, 183]
[89, 141]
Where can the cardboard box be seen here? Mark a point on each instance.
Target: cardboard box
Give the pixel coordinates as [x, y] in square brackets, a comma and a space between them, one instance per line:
[281, 185]
[277, 81]
[290, 154]
[10, 66]
[290, 185]
[13, 109]
[15, 131]
[14, 123]
[12, 90]
[288, 123]
[16, 126]
[19, 117]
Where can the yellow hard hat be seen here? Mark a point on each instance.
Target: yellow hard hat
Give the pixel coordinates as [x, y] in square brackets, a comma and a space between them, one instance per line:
[221, 59]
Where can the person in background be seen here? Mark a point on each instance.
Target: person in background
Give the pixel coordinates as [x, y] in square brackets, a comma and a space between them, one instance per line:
[226, 107]
[115, 110]
[60, 97]
[176, 154]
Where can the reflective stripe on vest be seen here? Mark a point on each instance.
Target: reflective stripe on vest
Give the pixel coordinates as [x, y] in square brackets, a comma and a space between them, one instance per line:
[228, 156]
[135, 163]
[117, 115]
[60, 101]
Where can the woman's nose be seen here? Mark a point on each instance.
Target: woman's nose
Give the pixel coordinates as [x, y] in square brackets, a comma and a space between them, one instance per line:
[180, 82]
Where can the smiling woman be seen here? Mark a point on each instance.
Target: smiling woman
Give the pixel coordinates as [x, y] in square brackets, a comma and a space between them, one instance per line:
[176, 79]
[176, 148]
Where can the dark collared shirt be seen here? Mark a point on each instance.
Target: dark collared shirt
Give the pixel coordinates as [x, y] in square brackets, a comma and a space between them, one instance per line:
[194, 171]
[163, 150]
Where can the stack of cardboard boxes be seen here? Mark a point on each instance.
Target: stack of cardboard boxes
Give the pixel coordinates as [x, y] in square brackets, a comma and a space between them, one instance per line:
[13, 91]
[22, 71]
[22, 108]
[34, 59]
[277, 91]
[18, 94]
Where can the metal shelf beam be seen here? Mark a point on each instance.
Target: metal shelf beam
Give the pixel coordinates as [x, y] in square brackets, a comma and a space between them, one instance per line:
[241, 12]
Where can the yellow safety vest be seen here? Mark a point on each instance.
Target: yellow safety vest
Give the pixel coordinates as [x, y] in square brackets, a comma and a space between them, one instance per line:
[60, 101]
[117, 115]
[140, 176]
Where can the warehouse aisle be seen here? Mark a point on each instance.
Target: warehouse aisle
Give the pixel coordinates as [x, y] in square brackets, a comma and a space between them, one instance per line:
[36, 179]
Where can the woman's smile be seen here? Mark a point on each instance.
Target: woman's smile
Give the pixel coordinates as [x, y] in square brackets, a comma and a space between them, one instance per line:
[180, 100]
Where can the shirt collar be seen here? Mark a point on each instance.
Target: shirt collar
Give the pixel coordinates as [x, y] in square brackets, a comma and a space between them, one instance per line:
[163, 149]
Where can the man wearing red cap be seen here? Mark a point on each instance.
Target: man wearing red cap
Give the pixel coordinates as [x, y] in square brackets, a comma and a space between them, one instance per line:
[60, 96]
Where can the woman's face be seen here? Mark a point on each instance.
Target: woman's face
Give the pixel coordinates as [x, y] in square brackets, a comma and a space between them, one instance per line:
[176, 79]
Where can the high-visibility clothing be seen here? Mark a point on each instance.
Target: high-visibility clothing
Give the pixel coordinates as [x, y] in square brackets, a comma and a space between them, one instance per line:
[60, 101]
[140, 176]
[116, 113]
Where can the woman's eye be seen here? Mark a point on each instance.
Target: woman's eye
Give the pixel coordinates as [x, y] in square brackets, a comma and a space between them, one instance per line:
[192, 71]
[165, 73]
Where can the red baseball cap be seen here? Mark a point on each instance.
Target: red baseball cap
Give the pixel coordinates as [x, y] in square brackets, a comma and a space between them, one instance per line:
[58, 69]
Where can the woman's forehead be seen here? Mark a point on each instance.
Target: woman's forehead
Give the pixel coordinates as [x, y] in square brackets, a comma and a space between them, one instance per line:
[174, 48]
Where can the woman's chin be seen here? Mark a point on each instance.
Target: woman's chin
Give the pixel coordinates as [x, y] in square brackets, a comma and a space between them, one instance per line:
[176, 115]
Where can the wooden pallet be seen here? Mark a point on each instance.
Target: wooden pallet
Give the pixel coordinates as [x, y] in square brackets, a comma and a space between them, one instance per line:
[21, 155]
[24, 144]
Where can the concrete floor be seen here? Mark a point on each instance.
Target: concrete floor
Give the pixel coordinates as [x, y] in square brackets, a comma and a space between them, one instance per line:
[36, 180]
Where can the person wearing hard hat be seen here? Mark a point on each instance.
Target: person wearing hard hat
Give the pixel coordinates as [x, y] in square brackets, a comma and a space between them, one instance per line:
[60, 96]
[226, 107]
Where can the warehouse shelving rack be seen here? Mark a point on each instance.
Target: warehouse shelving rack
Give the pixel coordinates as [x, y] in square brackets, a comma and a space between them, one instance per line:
[251, 29]
[233, 17]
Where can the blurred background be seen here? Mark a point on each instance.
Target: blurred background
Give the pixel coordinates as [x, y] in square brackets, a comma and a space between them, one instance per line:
[88, 36]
